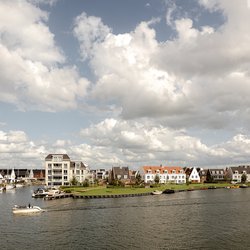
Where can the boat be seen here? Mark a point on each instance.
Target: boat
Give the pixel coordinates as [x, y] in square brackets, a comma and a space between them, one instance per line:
[9, 187]
[156, 192]
[53, 191]
[40, 193]
[26, 209]
[19, 185]
[243, 186]
[168, 191]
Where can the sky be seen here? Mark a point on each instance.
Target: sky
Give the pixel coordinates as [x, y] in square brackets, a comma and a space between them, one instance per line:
[125, 83]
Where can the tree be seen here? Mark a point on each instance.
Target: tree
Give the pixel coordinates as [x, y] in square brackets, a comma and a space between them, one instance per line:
[74, 181]
[209, 178]
[157, 179]
[85, 183]
[138, 179]
[243, 178]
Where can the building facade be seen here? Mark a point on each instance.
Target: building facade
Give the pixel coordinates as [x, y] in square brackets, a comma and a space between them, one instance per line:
[166, 174]
[60, 170]
[194, 176]
[235, 173]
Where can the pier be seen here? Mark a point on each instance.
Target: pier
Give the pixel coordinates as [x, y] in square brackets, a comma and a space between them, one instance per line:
[108, 196]
[58, 196]
[77, 196]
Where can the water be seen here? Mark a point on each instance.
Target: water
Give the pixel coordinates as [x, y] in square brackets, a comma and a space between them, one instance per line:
[209, 219]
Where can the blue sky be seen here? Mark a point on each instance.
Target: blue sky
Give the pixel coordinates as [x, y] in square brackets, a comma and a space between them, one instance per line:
[128, 83]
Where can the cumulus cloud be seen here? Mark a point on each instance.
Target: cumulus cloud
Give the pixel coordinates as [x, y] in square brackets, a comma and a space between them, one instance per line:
[31, 71]
[120, 142]
[197, 78]
[17, 151]
[90, 31]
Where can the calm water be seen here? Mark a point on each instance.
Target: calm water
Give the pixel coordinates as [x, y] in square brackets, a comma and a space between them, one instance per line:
[210, 219]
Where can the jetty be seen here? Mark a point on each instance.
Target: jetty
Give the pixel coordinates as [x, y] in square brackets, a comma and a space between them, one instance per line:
[58, 196]
[75, 196]
[78, 196]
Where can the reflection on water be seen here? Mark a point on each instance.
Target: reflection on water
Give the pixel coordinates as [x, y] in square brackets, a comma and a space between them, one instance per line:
[211, 219]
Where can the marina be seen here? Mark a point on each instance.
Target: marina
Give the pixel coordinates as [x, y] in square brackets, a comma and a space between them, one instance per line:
[102, 223]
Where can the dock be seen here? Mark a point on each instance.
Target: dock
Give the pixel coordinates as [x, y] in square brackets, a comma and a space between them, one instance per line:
[58, 196]
[76, 196]
[108, 196]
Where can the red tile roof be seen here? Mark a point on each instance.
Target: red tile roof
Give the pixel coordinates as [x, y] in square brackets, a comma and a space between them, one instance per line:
[162, 169]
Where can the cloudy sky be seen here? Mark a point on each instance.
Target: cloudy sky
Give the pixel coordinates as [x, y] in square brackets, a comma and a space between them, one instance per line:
[127, 83]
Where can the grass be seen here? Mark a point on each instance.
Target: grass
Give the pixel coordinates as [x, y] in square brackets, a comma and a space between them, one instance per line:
[102, 190]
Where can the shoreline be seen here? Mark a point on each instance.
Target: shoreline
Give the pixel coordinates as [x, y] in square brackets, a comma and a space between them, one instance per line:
[117, 192]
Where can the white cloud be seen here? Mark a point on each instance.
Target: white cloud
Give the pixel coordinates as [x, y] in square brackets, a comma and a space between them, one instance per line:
[198, 79]
[31, 74]
[137, 143]
[90, 31]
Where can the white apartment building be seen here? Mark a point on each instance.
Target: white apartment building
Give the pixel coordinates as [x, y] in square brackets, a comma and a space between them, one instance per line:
[60, 170]
[166, 174]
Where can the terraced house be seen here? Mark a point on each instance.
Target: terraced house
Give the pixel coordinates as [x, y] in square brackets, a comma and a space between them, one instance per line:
[164, 173]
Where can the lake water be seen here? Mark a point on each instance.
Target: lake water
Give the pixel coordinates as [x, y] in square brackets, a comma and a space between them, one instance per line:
[209, 219]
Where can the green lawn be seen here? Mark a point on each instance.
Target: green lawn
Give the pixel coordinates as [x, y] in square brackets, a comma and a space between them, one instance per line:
[128, 190]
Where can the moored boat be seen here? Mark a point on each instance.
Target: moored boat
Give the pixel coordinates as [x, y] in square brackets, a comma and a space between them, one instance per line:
[243, 186]
[26, 209]
[40, 193]
[168, 191]
[156, 192]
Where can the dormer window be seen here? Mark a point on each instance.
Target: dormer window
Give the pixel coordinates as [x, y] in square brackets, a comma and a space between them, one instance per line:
[165, 171]
[236, 171]
[173, 171]
[149, 171]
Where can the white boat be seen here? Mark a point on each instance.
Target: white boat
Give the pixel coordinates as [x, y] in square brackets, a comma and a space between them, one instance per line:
[53, 191]
[156, 192]
[8, 187]
[39, 193]
[26, 209]
[19, 185]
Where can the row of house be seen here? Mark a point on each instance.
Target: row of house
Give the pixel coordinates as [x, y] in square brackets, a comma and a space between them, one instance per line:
[60, 170]
[14, 175]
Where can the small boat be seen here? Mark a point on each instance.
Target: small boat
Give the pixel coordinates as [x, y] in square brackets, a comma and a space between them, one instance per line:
[26, 209]
[40, 193]
[53, 191]
[9, 187]
[156, 192]
[168, 191]
[243, 186]
[19, 185]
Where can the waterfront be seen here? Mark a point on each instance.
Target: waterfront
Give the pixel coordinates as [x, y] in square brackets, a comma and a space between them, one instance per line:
[209, 219]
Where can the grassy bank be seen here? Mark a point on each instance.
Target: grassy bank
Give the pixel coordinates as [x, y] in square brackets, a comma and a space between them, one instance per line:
[103, 190]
